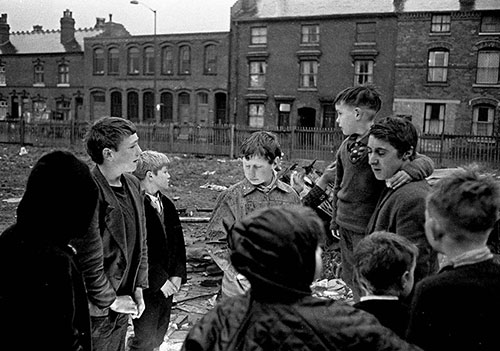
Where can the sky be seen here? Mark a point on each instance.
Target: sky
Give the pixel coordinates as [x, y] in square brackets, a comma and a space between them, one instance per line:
[172, 16]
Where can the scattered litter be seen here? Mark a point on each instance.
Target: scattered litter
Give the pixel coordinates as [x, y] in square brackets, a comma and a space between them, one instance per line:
[13, 200]
[334, 289]
[221, 160]
[175, 198]
[213, 187]
[23, 151]
[208, 173]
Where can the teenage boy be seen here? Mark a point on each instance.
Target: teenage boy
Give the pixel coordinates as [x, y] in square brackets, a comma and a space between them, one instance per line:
[356, 190]
[260, 155]
[166, 252]
[391, 145]
[384, 267]
[456, 309]
[113, 255]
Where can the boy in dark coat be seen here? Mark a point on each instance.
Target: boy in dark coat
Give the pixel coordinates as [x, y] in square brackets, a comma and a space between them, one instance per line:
[277, 249]
[456, 308]
[384, 267]
[43, 300]
[166, 252]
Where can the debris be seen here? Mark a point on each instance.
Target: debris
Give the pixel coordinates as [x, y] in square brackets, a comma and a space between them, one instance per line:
[208, 173]
[194, 219]
[13, 200]
[213, 187]
[221, 160]
[23, 151]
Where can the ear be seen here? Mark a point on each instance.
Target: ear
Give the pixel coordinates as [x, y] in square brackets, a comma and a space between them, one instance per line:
[436, 229]
[405, 279]
[107, 153]
[408, 154]
[149, 175]
[357, 113]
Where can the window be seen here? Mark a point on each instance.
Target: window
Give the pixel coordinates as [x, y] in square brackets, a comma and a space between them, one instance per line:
[490, 24]
[310, 34]
[210, 59]
[437, 66]
[149, 60]
[184, 108]
[308, 74]
[2, 74]
[113, 61]
[133, 60]
[202, 108]
[483, 117]
[256, 115]
[258, 36]
[63, 73]
[133, 106]
[40, 110]
[440, 23]
[488, 64]
[284, 115]
[116, 104]
[166, 107]
[148, 106]
[185, 60]
[62, 112]
[39, 74]
[363, 72]
[3, 110]
[167, 60]
[329, 115]
[257, 74]
[434, 118]
[98, 61]
[365, 32]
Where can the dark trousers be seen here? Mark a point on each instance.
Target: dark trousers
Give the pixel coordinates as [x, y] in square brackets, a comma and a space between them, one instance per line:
[348, 241]
[150, 329]
[109, 332]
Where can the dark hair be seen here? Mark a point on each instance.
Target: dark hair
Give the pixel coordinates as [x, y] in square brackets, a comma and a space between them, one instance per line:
[397, 131]
[261, 143]
[360, 96]
[466, 200]
[381, 259]
[107, 132]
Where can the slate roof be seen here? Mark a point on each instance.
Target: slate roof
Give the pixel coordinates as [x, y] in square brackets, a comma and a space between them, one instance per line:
[304, 8]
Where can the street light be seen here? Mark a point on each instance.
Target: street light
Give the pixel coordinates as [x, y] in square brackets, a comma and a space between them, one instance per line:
[155, 106]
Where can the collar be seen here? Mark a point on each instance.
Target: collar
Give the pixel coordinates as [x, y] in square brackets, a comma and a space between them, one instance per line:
[249, 187]
[468, 258]
[378, 297]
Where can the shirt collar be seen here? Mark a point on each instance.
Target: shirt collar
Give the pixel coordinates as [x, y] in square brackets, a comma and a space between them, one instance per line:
[468, 257]
[249, 187]
[378, 297]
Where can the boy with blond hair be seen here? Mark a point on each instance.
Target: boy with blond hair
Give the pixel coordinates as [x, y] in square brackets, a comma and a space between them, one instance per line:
[455, 309]
[166, 251]
[260, 156]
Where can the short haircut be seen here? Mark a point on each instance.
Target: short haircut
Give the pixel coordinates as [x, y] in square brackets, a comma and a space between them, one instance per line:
[150, 161]
[107, 132]
[381, 259]
[365, 96]
[397, 131]
[262, 143]
[466, 200]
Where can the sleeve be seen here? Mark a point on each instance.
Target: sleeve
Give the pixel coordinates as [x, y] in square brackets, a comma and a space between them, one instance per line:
[223, 212]
[420, 326]
[314, 197]
[177, 247]
[420, 168]
[336, 189]
[90, 261]
[142, 278]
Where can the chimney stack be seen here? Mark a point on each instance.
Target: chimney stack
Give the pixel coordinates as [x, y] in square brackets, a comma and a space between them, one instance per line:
[67, 27]
[37, 28]
[4, 29]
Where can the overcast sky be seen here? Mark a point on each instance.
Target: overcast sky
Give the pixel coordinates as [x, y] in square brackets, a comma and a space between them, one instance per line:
[173, 16]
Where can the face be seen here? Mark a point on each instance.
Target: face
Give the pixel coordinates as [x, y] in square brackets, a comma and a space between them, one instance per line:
[429, 231]
[346, 118]
[127, 155]
[319, 263]
[383, 158]
[161, 179]
[258, 170]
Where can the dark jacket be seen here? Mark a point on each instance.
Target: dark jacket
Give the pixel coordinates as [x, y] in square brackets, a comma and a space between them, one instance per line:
[392, 314]
[43, 300]
[166, 248]
[102, 253]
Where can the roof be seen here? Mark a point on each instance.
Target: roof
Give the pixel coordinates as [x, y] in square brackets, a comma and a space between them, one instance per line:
[305, 8]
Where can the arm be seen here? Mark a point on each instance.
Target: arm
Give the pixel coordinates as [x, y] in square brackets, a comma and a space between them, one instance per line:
[336, 188]
[176, 244]
[420, 168]
[317, 194]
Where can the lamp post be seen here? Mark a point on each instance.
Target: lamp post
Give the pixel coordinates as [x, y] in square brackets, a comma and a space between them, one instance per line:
[155, 74]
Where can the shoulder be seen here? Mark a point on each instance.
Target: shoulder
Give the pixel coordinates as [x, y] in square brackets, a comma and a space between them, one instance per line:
[132, 180]
[413, 191]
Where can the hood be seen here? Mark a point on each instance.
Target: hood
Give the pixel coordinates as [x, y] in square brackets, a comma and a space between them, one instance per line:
[59, 201]
[274, 248]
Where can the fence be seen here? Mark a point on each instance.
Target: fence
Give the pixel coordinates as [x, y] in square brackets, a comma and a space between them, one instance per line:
[223, 140]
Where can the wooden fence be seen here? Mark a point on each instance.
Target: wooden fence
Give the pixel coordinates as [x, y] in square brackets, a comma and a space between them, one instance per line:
[224, 140]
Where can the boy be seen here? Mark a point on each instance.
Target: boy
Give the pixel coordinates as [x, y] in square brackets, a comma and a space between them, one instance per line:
[277, 249]
[384, 267]
[260, 155]
[456, 309]
[391, 145]
[43, 298]
[356, 190]
[166, 252]
[118, 234]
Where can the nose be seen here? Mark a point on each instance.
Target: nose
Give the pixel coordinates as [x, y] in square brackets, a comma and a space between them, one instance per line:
[168, 175]
[337, 119]
[139, 150]
[372, 159]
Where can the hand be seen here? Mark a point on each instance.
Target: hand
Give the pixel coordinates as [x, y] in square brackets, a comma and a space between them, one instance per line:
[328, 176]
[124, 304]
[139, 300]
[398, 179]
[297, 181]
[171, 286]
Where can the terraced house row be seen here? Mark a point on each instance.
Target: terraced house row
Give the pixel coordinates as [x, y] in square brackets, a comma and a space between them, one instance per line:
[280, 64]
